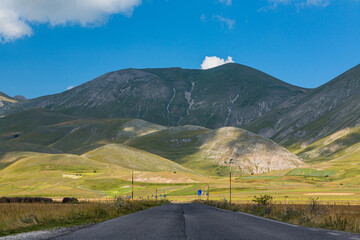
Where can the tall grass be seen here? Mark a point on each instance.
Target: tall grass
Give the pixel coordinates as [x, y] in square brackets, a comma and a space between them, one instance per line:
[20, 217]
[314, 214]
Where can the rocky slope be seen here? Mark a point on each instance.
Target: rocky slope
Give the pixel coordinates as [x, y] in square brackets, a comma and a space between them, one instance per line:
[229, 95]
[315, 114]
[5, 100]
[214, 151]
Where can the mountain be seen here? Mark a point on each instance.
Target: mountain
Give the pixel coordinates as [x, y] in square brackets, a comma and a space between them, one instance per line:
[20, 98]
[315, 114]
[5, 99]
[211, 152]
[229, 95]
[6, 103]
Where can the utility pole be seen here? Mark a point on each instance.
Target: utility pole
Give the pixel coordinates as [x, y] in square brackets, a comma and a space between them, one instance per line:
[231, 161]
[230, 185]
[156, 194]
[132, 185]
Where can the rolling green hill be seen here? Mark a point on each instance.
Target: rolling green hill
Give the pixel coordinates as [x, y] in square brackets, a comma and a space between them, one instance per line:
[132, 158]
[41, 174]
[209, 151]
[28, 129]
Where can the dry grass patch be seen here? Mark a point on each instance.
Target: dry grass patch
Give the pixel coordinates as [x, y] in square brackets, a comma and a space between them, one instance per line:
[314, 214]
[21, 217]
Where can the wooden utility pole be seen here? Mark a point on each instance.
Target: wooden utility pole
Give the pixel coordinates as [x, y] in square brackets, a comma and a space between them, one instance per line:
[132, 185]
[230, 185]
[231, 161]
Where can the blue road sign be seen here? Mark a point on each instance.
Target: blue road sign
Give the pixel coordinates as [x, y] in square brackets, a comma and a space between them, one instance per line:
[199, 192]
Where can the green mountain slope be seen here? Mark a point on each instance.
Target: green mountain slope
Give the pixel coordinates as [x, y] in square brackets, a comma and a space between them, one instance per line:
[196, 148]
[132, 158]
[210, 151]
[342, 143]
[229, 95]
[311, 116]
[28, 130]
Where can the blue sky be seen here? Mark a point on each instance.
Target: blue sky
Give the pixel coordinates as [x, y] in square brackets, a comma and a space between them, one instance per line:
[303, 42]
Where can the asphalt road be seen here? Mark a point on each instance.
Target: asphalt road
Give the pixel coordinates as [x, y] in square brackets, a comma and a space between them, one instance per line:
[196, 221]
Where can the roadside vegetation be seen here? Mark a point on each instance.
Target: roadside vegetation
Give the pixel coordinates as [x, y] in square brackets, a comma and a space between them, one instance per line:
[24, 217]
[314, 214]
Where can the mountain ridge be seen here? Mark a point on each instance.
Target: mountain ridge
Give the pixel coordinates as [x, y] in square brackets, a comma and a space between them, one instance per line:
[174, 96]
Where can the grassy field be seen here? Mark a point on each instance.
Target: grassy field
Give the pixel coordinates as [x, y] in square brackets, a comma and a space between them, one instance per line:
[21, 217]
[100, 175]
[49, 154]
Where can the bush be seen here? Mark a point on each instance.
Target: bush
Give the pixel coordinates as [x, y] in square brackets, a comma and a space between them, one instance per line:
[263, 200]
[70, 200]
[263, 206]
[25, 200]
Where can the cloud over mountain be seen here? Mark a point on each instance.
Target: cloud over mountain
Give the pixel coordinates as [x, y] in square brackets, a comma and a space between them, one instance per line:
[211, 62]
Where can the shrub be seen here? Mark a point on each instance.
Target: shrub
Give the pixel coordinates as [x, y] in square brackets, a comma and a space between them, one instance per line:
[70, 200]
[263, 200]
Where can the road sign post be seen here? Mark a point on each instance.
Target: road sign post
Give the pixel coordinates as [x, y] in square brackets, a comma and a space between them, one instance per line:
[208, 193]
[199, 193]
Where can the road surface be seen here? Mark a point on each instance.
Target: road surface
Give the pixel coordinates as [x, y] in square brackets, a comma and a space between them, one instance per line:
[196, 221]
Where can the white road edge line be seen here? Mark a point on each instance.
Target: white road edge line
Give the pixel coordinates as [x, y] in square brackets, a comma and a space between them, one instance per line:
[268, 219]
[334, 234]
[250, 215]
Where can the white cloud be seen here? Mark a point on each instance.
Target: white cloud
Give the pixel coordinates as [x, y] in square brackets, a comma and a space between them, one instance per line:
[211, 62]
[226, 2]
[316, 3]
[273, 4]
[16, 16]
[69, 87]
[227, 21]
